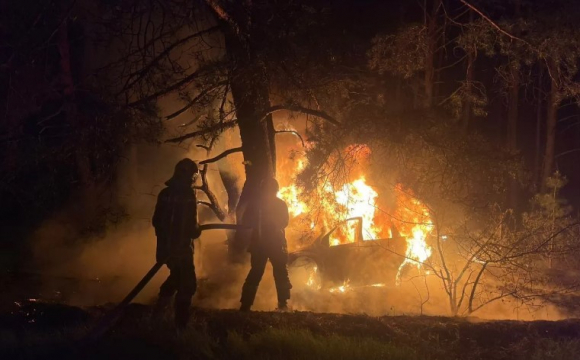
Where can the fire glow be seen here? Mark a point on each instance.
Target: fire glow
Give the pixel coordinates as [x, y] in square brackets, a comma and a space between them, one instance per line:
[416, 227]
[357, 199]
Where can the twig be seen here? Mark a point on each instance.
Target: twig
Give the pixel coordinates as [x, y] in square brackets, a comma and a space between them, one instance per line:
[193, 102]
[223, 14]
[221, 156]
[209, 130]
[486, 18]
[186, 80]
[297, 108]
[294, 132]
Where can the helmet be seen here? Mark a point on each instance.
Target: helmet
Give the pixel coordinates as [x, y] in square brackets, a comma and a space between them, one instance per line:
[270, 186]
[185, 168]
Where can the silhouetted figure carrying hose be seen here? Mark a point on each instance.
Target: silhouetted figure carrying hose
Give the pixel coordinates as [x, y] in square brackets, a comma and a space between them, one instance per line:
[111, 317]
[176, 226]
[268, 216]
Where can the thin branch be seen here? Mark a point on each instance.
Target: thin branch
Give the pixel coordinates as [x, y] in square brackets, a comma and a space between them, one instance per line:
[297, 108]
[221, 156]
[566, 152]
[465, 285]
[141, 73]
[294, 132]
[443, 262]
[452, 64]
[475, 283]
[223, 104]
[222, 14]
[194, 101]
[205, 147]
[493, 23]
[501, 296]
[209, 130]
[189, 78]
[201, 202]
[213, 203]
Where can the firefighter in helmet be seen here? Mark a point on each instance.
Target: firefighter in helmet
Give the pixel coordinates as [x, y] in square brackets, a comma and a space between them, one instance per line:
[176, 226]
[268, 216]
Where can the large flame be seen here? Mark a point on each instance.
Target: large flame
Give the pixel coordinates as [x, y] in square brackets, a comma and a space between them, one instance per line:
[359, 199]
[356, 199]
[290, 195]
[415, 226]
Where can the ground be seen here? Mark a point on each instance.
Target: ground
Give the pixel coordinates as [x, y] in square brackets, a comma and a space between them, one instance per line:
[39, 330]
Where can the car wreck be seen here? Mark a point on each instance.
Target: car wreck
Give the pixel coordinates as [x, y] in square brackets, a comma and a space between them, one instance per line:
[358, 262]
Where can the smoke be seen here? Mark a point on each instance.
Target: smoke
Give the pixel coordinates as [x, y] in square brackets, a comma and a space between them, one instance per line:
[416, 295]
[96, 268]
[100, 268]
[89, 268]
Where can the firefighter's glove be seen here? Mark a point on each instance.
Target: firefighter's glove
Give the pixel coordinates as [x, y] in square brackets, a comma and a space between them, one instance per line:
[196, 232]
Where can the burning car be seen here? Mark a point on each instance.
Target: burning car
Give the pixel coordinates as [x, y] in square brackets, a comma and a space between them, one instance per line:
[329, 264]
[367, 239]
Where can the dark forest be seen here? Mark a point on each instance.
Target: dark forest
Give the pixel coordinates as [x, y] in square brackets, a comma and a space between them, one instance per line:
[426, 151]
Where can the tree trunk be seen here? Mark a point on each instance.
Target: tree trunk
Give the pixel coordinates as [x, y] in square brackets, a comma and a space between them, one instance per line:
[538, 142]
[512, 126]
[257, 144]
[551, 121]
[467, 105]
[513, 102]
[513, 115]
[432, 40]
[514, 94]
[250, 92]
[87, 205]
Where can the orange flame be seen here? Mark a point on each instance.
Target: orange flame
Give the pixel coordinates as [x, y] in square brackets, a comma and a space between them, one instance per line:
[357, 199]
[415, 225]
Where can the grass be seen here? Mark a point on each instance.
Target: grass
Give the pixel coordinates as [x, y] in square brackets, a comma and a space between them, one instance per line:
[227, 334]
[302, 344]
[146, 341]
[544, 349]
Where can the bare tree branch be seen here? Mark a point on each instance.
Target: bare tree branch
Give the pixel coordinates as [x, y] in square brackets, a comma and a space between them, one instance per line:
[189, 78]
[294, 132]
[221, 156]
[486, 18]
[215, 128]
[297, 108]
[194, 101]
[475, 283]
[465, 285]
[209, 205]
[213, 203]
[142, 72]
[222, 14]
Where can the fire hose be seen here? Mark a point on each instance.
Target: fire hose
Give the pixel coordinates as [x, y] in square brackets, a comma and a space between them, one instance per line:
[111, 317]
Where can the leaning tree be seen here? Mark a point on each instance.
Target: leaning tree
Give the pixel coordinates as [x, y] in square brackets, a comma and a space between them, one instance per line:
[220, 61]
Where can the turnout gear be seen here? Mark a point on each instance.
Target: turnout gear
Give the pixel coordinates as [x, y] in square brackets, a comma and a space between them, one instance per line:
[268, 217]
[175, 222]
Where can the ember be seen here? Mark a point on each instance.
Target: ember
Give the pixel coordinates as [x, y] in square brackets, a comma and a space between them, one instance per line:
[341, 289]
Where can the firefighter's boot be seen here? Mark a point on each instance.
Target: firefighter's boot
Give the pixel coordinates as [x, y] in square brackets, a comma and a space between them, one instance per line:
[161, 307]
[282, 306]
[182, 313]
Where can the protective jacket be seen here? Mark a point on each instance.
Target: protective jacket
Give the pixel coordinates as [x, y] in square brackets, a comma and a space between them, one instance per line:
[268, 218]
[175, 219]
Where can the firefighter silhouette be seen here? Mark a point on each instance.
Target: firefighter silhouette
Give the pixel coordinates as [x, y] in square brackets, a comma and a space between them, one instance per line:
[268, 216]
